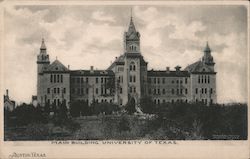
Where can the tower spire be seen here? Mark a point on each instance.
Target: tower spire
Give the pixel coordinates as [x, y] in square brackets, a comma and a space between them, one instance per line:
[43, 46]
[131, 28]
[207, 48]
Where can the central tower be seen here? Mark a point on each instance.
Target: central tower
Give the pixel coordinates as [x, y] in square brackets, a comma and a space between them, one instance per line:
[131, 39]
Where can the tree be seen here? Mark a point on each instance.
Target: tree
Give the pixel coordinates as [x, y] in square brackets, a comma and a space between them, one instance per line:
[47, 107]
[75, 108]
[130, 106]
[147, 105]
[62, 111]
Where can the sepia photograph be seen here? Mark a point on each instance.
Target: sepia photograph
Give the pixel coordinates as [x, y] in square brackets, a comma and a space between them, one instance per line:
[124, 72]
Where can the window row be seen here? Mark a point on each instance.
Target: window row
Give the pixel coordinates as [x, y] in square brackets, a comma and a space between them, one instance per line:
[203, 79]
[103, 100]
[204, 90]
[56, 90]
[79, 91]
[79, 80]
[158, 101]
[164, 91]
[205, 101]
[56, 78]
[163, 80]
[57, 102]
[86, 80]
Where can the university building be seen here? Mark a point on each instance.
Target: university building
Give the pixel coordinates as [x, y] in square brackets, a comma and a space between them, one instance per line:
[127, 79]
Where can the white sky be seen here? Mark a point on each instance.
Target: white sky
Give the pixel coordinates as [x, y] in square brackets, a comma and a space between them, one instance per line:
[82, 36]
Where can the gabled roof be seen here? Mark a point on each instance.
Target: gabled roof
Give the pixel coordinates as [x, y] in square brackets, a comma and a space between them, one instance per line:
[198, 66]
[56, 66]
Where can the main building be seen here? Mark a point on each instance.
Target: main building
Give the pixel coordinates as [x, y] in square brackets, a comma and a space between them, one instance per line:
[127, 79]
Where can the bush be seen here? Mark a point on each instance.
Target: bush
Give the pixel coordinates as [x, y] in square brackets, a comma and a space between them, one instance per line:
[104, 108]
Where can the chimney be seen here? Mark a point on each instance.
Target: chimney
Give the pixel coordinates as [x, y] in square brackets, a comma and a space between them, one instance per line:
[167, 69]
[91, 69]
[178, 68]
[7, 92]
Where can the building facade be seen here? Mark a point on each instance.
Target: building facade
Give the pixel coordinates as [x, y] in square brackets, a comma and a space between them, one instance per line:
[127, 79]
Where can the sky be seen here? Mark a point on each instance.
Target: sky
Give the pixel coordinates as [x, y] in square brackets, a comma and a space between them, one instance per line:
[82, 36]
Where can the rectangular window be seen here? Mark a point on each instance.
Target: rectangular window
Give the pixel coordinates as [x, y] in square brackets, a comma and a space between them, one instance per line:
[64, 90]
[202, 90]
[61, 78]
[199, 79]
[78, 80]
[101, 80]
[158, 80]
[51, 78]
[130, 89]
[205, 80]
[120, 90]
[87, 91]
[54, 78]
[177, 91]
[134, 79]
[96, 80]
[54, 90]
[102, 90]
[208, 79]
[48, 90]
[211, 90]
[196, 90]
[154, 80]
[58, 90]
[158, 91]
[205, 90]
[186, 91]
[134, 89]
[181, 91]
[130, 78]
[58, 78]
[163, 91]
[186, 80]
[163, 80]
[172, 91]
[87, 80]
[154, 91]
[96, 91]
[81, 80]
